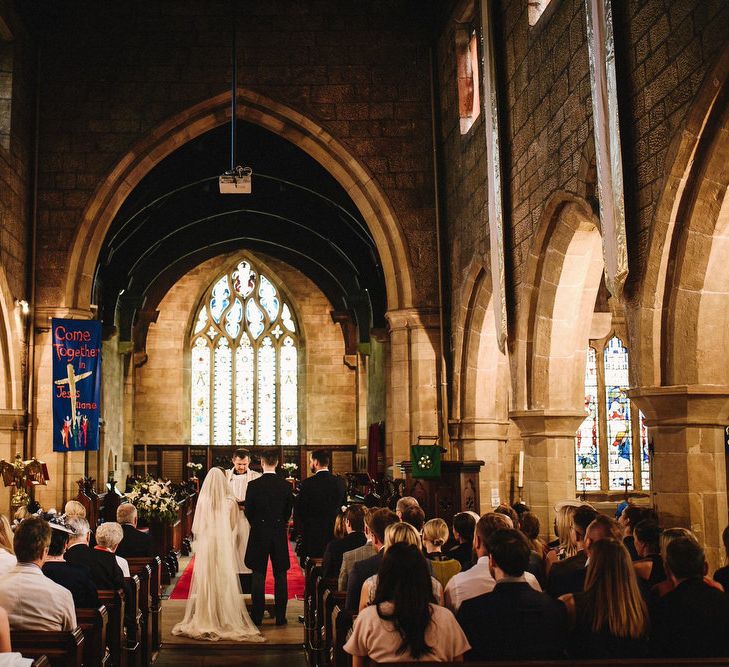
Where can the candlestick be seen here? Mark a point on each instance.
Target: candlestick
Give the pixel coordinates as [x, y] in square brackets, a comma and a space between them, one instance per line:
[520, 483]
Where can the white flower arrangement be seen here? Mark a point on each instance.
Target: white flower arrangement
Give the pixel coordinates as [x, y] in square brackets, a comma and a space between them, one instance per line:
[154, 501]
[195, 467]
[290, 468]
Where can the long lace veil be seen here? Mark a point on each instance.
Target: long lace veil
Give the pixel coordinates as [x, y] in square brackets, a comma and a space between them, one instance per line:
[215, 607]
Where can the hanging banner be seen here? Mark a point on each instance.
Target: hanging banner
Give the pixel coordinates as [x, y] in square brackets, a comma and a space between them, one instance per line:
[493, 176]
[76, 384]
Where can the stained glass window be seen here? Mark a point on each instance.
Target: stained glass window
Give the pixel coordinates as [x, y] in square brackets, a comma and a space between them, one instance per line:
[586, 441]
[244, 363]
[606, 459]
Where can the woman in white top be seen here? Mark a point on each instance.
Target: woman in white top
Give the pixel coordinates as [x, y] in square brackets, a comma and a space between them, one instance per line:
[403, 624]
[397, 533]
[7, 554]
[216, 609]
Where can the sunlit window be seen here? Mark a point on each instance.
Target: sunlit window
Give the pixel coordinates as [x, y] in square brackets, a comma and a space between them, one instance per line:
[244, 364]
[606, 458]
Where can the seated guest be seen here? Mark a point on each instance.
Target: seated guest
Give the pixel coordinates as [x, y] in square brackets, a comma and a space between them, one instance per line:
[108, 540]
[74, 509]
[4, 632]
[435, 534]
[76, 578]
[396, 533]
[339, 531]
[530, 526]
[354, 522]
[7, 555]
[513, 622]
[463, 526]
[135, 543]
[404, 503]
[567, 576]
[362, 570]
[404, 624]
[649, 566]
[564, 546]
[105, 571]
[722, 574]
[692, 620]
[479, 580]
[32, 601]
[630, 517]
[609, 619]
[668, 536]
[349, 558]
[415, 517]
[506, 510]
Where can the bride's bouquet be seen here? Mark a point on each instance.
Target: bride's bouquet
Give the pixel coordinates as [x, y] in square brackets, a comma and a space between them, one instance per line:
[154, 501]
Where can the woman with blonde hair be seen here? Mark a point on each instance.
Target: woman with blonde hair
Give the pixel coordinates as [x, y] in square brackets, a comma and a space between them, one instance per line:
[73, 508]
[397, 533]
[435, 535]
[566, 544]
[7, 554]
[609, 618]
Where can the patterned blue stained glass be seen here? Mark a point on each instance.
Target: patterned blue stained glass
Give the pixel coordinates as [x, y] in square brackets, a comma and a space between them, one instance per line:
[220, 298]
[645, 459]
[254, 315]
[233, 319]
[587, 439]
[269, 300]
[619, 430]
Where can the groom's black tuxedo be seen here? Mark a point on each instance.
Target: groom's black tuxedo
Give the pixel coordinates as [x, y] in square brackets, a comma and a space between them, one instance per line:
[268, 509]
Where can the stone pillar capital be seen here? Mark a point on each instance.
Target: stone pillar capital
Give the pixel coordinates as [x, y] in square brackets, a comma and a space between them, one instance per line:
[479, 429]
[548, 423]
[44, 314]
[683, 405]
[413, 318]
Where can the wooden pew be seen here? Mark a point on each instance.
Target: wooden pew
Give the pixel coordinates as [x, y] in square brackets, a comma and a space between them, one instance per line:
[42, 661]
[342, 621]
[93, 623]
[116, 634]
[332, 599]
[142, 568]
[155, 597]
[133, 620]
[62, 649]
[321, 649]
[312, 570]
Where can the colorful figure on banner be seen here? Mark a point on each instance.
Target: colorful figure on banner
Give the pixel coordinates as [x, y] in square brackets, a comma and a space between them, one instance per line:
[85, 429]
[66, 431]
[71, 379]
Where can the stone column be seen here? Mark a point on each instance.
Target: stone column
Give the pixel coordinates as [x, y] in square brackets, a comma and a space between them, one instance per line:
[549, 459]
[485, 440]
[413, 385]
[686, 426]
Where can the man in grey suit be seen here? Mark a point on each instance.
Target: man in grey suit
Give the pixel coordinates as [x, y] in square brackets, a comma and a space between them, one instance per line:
[361, 570]
[349, 558]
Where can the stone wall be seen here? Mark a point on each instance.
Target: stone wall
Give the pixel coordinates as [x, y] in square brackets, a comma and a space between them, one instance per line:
[327, 413]
[360, 70]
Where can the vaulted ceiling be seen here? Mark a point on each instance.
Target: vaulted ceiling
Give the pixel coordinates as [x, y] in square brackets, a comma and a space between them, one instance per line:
[176, 218]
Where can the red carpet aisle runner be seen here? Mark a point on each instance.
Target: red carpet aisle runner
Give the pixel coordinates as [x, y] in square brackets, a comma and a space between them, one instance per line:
[295, 580]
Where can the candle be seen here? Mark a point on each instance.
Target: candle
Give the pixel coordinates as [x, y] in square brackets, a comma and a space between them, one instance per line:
[520, 483]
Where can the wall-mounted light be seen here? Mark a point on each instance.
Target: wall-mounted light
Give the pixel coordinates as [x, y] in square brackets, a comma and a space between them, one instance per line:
[23, 305]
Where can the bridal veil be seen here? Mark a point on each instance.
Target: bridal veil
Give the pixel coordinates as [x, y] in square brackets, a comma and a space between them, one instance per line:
[215, 608]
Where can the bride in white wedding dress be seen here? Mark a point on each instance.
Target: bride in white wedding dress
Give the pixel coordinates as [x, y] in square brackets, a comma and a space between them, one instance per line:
[215, 608]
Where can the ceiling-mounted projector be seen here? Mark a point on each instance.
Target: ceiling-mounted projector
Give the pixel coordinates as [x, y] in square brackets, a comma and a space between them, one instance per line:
[236, 182]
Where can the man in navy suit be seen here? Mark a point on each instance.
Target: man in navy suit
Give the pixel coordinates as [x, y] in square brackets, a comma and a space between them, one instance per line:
[321, 498]
[135, 543]
[512, 622]
[268, 509]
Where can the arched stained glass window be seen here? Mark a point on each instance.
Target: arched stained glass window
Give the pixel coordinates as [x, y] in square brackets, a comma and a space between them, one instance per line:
[244, 364]
[606, 459]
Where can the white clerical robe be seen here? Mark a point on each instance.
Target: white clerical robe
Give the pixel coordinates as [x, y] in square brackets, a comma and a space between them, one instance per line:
[238, 485]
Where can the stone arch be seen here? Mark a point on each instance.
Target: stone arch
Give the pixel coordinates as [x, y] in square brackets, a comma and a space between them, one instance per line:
[558, 297]
[10, 335]
[684, 278]
[276, 117]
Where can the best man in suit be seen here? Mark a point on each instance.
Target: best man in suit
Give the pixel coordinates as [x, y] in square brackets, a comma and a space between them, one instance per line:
[317, 505]
[268, 508]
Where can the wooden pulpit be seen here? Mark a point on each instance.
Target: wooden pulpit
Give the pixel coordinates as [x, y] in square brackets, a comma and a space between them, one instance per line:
[456, 490]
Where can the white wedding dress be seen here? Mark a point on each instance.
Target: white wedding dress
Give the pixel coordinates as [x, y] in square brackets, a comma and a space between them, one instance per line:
[215, 608]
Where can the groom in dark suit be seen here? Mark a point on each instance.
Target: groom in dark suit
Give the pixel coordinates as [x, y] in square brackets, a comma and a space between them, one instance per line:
[268, 509]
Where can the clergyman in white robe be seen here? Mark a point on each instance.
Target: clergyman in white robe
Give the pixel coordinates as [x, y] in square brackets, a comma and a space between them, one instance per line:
[239, 484]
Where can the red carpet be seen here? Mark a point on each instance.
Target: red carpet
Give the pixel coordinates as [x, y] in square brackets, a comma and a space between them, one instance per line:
[295, 580]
